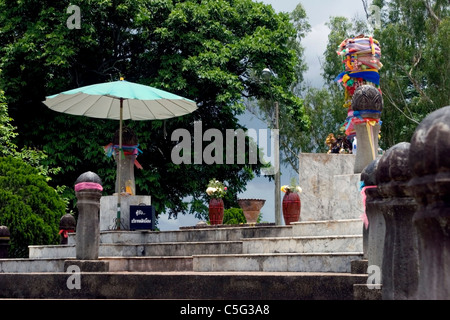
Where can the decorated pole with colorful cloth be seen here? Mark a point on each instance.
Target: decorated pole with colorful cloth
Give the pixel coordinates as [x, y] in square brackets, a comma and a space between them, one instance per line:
[361, 63]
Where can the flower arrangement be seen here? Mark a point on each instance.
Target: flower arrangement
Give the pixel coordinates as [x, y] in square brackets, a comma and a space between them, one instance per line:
[216, 189]
[292, 187]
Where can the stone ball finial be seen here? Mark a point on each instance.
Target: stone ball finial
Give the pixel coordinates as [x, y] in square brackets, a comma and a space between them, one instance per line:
[430, 144]
[368, 174]
[88, 180]
[67, 222]
[368, 98]
[393, 171]
[4, 232]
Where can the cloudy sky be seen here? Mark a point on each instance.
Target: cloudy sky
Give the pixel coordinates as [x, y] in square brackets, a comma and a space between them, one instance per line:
[318, 12]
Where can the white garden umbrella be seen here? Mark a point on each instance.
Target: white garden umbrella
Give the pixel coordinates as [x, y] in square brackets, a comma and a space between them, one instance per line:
[120, 100]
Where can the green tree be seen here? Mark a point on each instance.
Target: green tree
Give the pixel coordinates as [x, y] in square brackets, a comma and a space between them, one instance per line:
[415, 43]
[28, 206]
[203, 50]
[292, 118]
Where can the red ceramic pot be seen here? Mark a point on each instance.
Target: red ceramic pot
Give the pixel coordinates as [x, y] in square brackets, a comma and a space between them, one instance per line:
[216, 211]
[291, 207]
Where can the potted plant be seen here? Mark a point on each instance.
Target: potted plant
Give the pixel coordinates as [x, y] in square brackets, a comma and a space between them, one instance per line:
[291, 202]
[216, 190]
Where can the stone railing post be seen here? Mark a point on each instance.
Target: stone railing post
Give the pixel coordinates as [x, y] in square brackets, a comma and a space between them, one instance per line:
[5, 237]
[367, 104]
[376, 227]
[429, 161]
[67, 224]
[88, 190]
[400, 269]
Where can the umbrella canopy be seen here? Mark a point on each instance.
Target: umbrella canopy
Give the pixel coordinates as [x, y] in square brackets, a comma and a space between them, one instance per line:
[120, 100]
[104, 100]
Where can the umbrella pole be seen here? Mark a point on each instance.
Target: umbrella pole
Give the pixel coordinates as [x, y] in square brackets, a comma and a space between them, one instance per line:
[119, 166]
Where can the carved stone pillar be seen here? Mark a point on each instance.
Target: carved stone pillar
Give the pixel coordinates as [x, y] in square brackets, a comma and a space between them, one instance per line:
[429, 161]
[400, 257]
[88, 190]
[376, 227]
[67, 224]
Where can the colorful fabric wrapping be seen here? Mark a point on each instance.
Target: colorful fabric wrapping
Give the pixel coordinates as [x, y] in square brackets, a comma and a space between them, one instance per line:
[88, 185]
[361, 62]
[357, 117]
[126, 150]
[370, 75]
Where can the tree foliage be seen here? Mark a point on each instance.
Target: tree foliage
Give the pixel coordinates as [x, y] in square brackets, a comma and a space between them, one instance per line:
[292, 120]
[28, 206]
[415, 40]
[205, 50]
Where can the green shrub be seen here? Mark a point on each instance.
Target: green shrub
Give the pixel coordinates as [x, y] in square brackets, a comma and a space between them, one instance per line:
[236, 216]
[28, 206]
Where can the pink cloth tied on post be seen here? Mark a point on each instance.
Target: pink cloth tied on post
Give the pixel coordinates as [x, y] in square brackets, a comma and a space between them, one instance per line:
[88, 185]
[364, 197]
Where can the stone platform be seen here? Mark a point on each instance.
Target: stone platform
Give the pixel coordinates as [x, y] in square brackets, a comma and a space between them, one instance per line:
[330, 188]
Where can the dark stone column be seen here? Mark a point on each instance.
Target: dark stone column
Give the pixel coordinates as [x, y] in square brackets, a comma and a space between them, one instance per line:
[429, 161]
[5, 237]
[67, 224]
[400, 257]
[88, 190]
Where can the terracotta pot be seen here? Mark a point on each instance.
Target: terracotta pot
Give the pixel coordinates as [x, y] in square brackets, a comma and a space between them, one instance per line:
[251, 208]
[291, 207]
[216, 211]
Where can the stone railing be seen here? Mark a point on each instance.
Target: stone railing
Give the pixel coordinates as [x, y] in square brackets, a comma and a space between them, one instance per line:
[408, 210]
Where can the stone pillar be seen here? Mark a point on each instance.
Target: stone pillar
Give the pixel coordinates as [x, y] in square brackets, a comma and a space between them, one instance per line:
[367, 104]
[5, 237]
[376, 228]
[126, 161]
[67, 224]
[400, 269]
[429, 161]
[365, 155]
[88, 190]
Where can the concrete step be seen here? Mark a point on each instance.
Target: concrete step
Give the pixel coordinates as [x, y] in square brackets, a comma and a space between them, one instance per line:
[116, 264]
[306, 244]
[182, 285]
[191, 235]
[140, 249]
[277, 262]
[328, 227]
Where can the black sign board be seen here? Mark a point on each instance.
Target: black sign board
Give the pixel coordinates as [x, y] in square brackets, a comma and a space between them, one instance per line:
[142, 217]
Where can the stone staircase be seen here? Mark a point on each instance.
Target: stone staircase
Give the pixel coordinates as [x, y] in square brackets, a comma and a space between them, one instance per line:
[312, 259]
[316, 246]
[307, 260]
